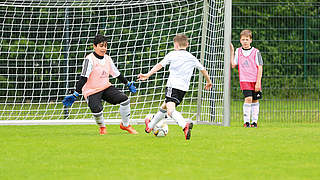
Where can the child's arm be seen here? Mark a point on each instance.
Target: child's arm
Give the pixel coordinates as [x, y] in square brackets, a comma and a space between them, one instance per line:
[206, 76]
[232, 56]
[156, 68]
[258, 83]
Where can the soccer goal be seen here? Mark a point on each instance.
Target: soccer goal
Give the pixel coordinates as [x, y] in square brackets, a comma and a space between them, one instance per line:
[43, 44]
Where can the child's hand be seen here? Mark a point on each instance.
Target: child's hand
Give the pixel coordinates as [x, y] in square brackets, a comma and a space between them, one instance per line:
[131, 87]
[257, 87]
[208, 86]
[69, 100]
[142, 77]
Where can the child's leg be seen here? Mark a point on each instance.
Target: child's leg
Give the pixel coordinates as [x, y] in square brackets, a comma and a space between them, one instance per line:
[255, 111]
[95, 105]
[113, 96]
[247, 109]
[158, 116]
[171, 108]
[125, 112]
[99, 119]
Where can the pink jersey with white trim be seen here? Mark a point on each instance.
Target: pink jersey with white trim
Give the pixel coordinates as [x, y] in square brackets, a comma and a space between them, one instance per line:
[99, 76]
[248, 69]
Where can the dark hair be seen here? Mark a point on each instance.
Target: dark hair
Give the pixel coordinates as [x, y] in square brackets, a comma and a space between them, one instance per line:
[99, 38]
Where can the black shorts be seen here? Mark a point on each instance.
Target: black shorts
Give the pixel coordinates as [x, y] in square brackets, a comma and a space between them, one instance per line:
[174, 95]
[252, 93]
[112, 95]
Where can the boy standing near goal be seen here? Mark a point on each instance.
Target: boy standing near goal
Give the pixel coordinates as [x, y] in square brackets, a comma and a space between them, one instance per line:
[95, 86]
[249, 63]
[182, 64]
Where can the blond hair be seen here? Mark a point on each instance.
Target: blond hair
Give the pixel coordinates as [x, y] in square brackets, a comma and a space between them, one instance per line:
[181, 39]
[246, 33]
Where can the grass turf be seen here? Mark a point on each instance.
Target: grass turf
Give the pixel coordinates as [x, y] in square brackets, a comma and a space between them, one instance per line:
[78, 152]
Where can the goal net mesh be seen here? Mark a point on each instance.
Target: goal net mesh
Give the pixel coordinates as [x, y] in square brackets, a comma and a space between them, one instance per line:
[43, 44]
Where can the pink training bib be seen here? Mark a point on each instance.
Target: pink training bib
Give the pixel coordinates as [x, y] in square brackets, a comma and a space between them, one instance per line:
[248, 69]
[99, 77]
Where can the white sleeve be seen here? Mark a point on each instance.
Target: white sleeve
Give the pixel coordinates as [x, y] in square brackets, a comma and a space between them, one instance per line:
[235, 60]
[86, 67]
[166, 60]
[114, 72]
[198, 65]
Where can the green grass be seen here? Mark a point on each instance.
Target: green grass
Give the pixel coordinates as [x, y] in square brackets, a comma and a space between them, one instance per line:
[78, 152]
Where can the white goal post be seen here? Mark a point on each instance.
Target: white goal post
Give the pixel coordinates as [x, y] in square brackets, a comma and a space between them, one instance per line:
[43, 44]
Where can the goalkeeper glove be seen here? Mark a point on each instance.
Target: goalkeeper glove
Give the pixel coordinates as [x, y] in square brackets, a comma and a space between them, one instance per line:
[69, 100]
[131, 87]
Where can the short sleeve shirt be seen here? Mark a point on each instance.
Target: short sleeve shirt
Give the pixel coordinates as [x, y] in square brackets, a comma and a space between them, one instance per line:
[182, 64]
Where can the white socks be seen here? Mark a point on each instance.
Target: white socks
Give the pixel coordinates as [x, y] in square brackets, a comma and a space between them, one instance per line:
[161, 114]
[178, 118]
[125, 112]
[99, 119]
[157, 117]
[250, 111]
[255, 112]
[246, 112]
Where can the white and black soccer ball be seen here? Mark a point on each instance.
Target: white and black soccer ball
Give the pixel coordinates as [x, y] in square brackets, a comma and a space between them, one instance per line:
[161, 129]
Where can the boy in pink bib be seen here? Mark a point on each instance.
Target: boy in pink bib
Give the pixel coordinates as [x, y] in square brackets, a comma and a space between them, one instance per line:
[250, 64]
[95, 86]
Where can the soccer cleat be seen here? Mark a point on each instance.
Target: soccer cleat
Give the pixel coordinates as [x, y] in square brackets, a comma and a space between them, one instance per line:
[103, 130]
[247, 124]
[187, 130]
[254, 124]
[147, 129]
[129, 129]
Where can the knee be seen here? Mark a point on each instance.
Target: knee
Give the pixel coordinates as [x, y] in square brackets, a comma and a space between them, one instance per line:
[98, 115]
[125, 102]
[170, 111]
[122, 99]
[248, 99]
[96, 108]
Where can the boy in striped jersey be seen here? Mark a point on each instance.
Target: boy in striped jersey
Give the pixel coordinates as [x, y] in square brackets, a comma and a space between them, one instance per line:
[95, 86]
[249, 63]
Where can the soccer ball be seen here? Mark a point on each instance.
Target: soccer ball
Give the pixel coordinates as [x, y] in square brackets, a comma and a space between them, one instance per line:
[161, 129]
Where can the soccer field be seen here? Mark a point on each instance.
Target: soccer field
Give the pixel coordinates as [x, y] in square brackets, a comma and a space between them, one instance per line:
[78, 152]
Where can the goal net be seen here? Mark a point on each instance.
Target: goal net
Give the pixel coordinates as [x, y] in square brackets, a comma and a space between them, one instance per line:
[43, 44]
